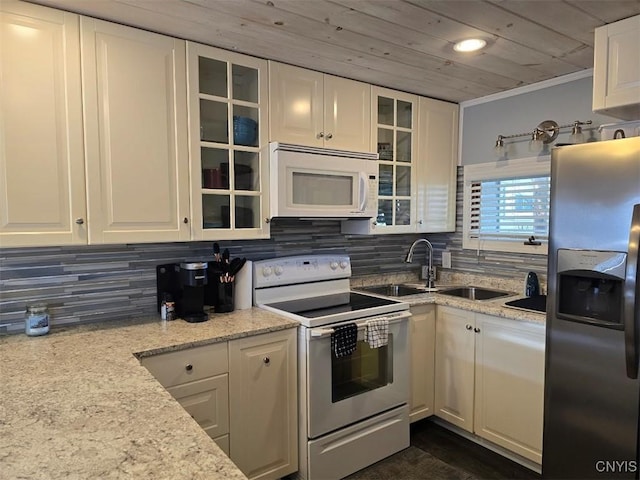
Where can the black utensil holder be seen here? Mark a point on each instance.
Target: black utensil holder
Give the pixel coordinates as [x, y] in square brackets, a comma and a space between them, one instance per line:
[225, 301]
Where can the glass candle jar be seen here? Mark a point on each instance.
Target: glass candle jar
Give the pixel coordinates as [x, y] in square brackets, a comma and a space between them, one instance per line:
[36, 320]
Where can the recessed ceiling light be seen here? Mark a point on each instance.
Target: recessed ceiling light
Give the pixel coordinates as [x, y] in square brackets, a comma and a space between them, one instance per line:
[469, 45]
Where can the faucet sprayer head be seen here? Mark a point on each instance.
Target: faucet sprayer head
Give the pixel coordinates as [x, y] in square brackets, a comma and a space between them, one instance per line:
[409, 257]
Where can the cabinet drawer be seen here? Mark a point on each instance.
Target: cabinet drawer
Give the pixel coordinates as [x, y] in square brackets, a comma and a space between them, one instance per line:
[207, 401]
[189, 365]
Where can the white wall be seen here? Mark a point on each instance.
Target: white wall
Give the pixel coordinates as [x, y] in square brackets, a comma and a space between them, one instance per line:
[565, 103]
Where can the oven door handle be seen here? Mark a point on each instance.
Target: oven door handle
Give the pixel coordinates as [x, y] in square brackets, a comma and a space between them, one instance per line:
[362, 324]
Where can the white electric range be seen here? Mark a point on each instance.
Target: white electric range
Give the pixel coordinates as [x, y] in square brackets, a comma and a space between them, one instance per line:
[353, 409]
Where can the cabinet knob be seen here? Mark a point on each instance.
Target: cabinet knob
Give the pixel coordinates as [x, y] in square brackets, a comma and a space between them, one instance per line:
[186, 220]
[79, 221]
[320, 135]
[477, 330]
[188, 367]
[267, 220]
[329, 136]
[266, 360]
[468, 327]
[419, 222]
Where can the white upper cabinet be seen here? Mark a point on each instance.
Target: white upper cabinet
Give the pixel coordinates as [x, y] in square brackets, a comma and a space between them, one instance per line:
[436, 174]
[42, 190]
[417, 141]
[616, 71]
[228, 98]
[134, 94]
[319, 110]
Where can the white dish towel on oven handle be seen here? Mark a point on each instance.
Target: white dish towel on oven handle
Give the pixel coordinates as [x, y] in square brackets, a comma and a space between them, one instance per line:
[377, 332]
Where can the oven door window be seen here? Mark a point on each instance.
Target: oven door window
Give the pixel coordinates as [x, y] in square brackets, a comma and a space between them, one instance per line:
[364, 370]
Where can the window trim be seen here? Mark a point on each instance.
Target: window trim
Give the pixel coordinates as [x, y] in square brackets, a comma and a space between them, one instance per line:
[504, 169]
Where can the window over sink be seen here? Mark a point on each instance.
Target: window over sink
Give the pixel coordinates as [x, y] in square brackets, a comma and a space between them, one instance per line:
[506, 205]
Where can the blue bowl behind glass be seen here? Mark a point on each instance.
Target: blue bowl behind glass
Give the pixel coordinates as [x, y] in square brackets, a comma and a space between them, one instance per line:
[245, 131]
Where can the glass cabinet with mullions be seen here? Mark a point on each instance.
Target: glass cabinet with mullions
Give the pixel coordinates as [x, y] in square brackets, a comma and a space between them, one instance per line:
[227, 129]
[394, 133]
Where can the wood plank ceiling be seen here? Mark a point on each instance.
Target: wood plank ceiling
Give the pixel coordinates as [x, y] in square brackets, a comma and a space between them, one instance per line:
[401, 44]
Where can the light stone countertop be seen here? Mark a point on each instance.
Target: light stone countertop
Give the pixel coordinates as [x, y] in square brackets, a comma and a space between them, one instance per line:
[493, 307]
[77, 404]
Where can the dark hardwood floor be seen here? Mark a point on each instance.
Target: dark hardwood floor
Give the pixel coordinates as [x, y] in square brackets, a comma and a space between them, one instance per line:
[439, 454]
[463, 454]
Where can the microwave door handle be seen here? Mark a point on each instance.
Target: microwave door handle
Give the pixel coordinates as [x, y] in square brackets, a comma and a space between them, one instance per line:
[363, 192]
[631, 292]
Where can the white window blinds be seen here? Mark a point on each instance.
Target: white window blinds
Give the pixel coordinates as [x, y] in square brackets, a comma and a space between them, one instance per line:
[505, 204]
[510, 209]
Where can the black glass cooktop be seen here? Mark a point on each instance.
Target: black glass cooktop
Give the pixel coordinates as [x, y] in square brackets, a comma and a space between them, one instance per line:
[324, 305]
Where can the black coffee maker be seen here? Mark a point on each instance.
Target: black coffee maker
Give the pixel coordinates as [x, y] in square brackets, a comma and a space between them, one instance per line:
[185, 283]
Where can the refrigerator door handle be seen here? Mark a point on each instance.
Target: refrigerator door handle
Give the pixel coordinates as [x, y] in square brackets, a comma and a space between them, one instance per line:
[631, 287]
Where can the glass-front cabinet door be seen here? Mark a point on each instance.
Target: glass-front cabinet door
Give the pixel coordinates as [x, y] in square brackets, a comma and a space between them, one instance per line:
[227, 133]
[394, 132]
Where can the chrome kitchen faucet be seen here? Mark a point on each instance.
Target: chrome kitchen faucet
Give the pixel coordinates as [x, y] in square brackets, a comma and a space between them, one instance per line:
[431, 271]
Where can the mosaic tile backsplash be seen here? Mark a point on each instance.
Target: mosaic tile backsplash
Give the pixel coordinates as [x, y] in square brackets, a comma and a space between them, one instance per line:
[108, 282]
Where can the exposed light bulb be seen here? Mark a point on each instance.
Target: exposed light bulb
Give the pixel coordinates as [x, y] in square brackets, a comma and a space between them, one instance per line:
[536, 144]
[499, 149]
[576, 134]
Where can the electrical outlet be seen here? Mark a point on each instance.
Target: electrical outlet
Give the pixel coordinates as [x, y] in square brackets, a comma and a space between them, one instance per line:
[425, 272]
[446, 259]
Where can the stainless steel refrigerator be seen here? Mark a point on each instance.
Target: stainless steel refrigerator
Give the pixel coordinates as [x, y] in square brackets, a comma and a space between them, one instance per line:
[592, 391]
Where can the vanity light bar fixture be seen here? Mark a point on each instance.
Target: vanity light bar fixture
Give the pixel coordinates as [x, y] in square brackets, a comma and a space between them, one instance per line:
[546, 132]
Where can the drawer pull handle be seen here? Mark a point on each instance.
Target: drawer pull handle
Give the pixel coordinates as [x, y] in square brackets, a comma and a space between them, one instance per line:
[188, 367]
[266, 360]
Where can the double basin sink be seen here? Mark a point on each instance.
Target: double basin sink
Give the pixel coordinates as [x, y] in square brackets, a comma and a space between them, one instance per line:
[470, 293]
[534, 304]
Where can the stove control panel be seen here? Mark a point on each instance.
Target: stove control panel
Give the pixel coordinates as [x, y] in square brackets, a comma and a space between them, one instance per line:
[300, 269]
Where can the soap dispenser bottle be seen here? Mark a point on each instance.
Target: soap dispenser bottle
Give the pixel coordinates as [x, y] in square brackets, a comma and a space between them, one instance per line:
[532, 285]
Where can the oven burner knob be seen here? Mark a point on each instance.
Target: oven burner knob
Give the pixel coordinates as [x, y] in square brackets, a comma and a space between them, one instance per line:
[266, 271]
[333, 265]
[279, 270]
[344, 264]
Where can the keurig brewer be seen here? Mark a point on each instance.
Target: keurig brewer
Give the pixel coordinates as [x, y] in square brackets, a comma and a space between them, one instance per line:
[185, 282]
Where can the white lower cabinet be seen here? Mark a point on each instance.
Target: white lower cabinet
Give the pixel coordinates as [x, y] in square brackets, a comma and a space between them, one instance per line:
[510, 384]
[264, 405]
[243, 393]
[455, 364]
[422, 338]
[198, 379]
[490, 378]
[207, 401]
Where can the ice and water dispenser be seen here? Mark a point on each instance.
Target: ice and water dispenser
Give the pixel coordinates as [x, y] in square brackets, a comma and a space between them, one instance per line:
[591, 287]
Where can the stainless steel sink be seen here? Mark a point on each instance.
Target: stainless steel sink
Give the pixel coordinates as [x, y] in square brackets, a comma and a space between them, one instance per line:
[537, 304]
[392, 290]
[475, 293]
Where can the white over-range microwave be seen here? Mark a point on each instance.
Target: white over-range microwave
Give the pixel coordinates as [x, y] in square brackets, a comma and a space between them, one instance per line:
[309, 182]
